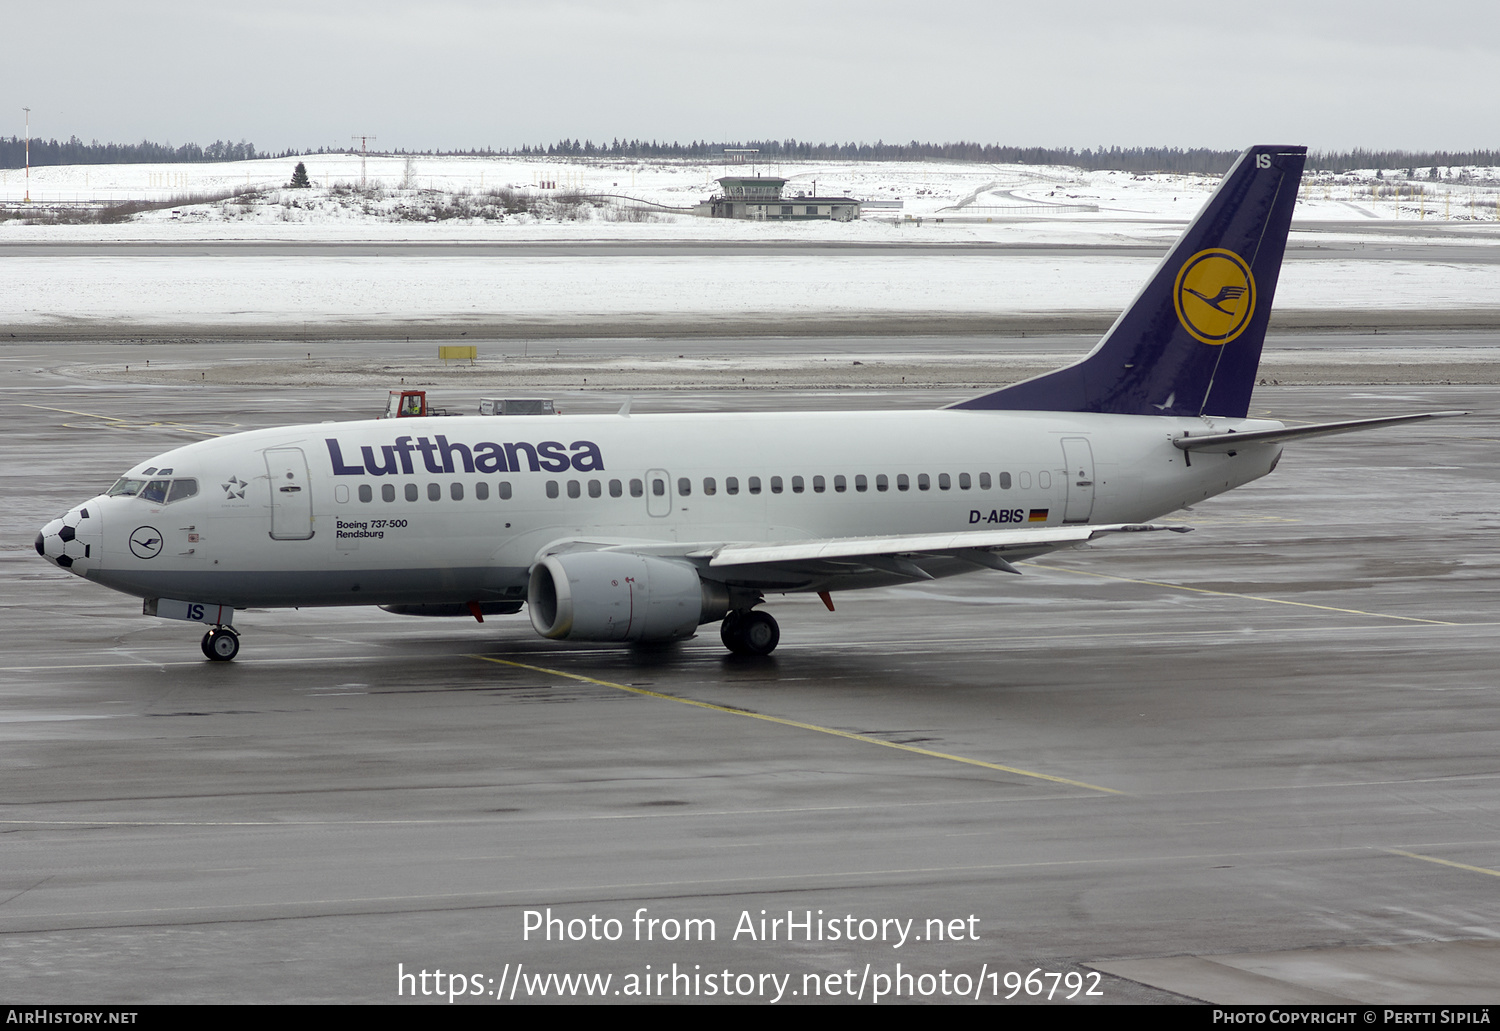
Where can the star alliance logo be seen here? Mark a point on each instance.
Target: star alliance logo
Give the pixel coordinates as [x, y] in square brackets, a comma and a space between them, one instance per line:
[1215, 296]
[235, 488]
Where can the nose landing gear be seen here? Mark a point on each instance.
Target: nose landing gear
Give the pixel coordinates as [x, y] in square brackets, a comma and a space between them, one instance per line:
[221, 644]
[750, 633]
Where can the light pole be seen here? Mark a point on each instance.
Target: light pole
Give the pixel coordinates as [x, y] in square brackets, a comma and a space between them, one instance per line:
[28, 154]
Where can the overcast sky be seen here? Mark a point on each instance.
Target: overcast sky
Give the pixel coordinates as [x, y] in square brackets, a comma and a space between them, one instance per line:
[464, 73]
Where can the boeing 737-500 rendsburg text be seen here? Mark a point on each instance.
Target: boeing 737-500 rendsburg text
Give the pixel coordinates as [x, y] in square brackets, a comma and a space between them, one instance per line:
[641, 528]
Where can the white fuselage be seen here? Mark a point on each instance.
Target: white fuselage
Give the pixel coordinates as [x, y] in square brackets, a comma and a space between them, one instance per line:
[454, 510]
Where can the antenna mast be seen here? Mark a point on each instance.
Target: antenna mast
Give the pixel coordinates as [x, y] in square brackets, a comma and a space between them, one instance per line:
[364, 152]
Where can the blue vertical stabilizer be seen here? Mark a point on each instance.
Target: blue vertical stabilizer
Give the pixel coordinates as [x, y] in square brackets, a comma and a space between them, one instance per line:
[1190, 342]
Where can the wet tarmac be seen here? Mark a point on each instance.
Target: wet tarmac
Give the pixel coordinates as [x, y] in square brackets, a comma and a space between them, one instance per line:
[1256, 763]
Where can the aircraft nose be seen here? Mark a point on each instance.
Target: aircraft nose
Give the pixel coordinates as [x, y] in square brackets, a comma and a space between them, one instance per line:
[71, 541]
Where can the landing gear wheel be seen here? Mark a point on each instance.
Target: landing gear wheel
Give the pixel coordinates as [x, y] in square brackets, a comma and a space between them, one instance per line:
[750, 633]
[207, 637]
[729, 633]
[760, 633]
[221, 644]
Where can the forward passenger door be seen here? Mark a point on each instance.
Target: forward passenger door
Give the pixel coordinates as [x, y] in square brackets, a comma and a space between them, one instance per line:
[291, 494]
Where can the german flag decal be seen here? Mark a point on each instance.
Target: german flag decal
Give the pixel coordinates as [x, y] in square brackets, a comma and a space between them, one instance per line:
[1038, 515]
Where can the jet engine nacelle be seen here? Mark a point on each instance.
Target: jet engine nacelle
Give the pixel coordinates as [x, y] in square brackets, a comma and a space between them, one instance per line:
[616, 596]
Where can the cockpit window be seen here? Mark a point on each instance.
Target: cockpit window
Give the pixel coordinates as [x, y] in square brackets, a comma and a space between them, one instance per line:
[157, 492]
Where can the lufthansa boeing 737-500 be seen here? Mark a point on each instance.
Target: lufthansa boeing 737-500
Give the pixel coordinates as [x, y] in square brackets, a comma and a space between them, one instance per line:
[641, 528]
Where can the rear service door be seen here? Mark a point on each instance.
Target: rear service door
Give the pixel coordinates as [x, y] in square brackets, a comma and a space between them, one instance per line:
[1080, 479]
[291, 494]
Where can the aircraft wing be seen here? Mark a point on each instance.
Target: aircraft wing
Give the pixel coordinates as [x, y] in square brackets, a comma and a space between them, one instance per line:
[978, 547]
[840, 563]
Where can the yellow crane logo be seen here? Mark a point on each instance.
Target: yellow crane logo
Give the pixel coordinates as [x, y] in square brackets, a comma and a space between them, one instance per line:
[1215, 295]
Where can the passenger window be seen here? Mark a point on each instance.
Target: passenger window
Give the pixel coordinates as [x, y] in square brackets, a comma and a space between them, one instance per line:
[387, 492]
[182, 489]
[411, 492]
[616, 489]
[575, 489]
[776, 485]
[637, 489]
[945, 482]
[1023, 480]
[456, 491]
[754, 485]
[1044, 479]
[504, 490]
[156, 491]
[819, 485]
[797, 485]
[984, 481]
[684, 486]
[903, 482]
[481, 491]
[551, 488]
[924, 482]
[365, 493]
[709, 487]
[596, 489]
[964, 483]
[882, 482]
[659, 487]
[861, 484]
[840, 485]
[434, 492]
[1005, 481]
[731, 485]
[340, 493]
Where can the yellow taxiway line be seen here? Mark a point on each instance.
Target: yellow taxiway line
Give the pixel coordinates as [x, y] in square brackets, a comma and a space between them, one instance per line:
[1444, 862]
[848, 735]
[117, 422]
[1247, 597]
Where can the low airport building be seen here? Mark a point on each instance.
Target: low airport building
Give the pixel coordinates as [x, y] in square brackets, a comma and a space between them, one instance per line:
[761, 197]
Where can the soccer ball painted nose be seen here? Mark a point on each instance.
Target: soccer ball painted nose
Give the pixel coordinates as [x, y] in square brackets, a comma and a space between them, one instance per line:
[72, 542]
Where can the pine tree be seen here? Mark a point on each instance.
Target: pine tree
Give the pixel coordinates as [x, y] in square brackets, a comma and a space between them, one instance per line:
[299, 177]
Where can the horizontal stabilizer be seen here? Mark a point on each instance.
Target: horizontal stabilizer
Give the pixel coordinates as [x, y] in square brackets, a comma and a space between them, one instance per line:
[1224, 442]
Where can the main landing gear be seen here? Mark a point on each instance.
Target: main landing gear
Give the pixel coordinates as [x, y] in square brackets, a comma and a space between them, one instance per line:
[750, 633]
[221, 644]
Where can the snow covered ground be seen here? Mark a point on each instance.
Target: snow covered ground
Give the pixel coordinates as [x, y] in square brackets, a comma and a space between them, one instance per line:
[76, 291]
[114, 293]
[925, 189]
